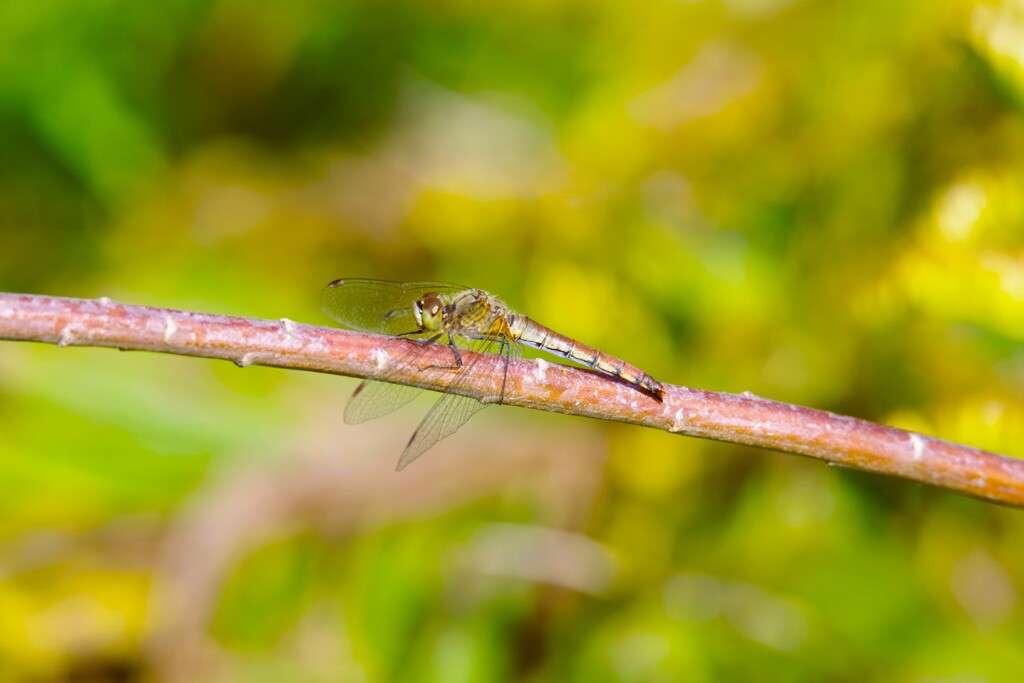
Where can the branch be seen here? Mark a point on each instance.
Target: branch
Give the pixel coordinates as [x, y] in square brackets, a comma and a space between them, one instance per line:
[744, 419]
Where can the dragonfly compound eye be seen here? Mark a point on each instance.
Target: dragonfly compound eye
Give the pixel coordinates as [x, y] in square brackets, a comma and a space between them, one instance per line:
[429, 312]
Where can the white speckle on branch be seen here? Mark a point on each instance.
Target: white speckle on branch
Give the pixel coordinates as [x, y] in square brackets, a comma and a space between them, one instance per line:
[540, 371]
[170, 327]
[918, 444]
[679, 421]
[380, 358]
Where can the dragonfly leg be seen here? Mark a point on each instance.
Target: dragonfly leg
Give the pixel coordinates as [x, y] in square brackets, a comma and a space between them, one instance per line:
[455, 352]
[451, 344]
[506, 350]
[433, 340]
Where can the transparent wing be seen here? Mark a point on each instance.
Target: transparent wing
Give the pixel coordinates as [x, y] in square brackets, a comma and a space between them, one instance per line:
[387, 307]
[452, 411]
[443, 420]
[377, 399]
[378, 306]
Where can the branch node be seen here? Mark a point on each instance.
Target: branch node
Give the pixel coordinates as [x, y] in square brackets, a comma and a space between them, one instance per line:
[251, 358]
[289, 327]
[68, 336]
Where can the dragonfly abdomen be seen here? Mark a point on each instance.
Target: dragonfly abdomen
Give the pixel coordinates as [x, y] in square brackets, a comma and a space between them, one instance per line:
[534, 334]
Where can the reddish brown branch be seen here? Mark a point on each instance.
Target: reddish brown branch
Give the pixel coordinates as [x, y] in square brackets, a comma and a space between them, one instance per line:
[744, 419]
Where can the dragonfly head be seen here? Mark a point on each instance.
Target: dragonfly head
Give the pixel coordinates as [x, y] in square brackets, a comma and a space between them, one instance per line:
[429, 312]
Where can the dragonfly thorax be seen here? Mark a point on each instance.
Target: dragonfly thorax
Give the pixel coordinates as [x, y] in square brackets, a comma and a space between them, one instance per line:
[429, 312]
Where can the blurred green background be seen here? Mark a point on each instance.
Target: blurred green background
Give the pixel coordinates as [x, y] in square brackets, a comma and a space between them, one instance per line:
[819, 202]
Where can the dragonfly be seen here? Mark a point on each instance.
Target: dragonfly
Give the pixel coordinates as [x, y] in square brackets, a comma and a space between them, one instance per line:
[464, 319]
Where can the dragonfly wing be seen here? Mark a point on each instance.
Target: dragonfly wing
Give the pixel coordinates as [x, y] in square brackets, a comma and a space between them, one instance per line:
[452, 410]
[447, 415]
[377, 396]
[377, 399]
[378, 306]
[387, 307]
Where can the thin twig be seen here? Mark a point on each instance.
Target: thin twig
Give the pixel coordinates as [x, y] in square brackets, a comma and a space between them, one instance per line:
[744, 419]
